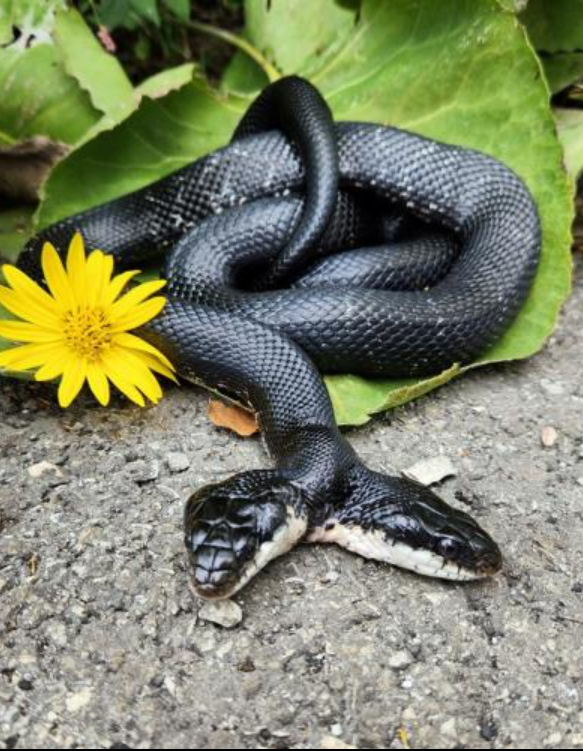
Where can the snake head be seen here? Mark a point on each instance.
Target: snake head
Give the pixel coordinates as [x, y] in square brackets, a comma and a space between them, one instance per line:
[234, 528]
[443, 541]
[405, 524]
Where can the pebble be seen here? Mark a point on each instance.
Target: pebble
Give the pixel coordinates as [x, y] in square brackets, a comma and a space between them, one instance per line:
[553, 740]
[549, 436]
[225, 613]
[177, 462]
[329, 741]
[400, 660]
[431, 471]
[449, 728]
[76, 702]
[38, 470]
[553, 388]
[142, 471]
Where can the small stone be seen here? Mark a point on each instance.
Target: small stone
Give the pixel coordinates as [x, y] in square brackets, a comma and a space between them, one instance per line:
[76, 702]
[143, 472]
[38, 470]
[225, 613]
[336, 730]
[331, 577]
[489, 730]
[431, 471]
[329, 741]
[553, 740]
[400, 660]
[549, 436]
[26, 683]
[553, 388]
[449, 728]
[177, 462]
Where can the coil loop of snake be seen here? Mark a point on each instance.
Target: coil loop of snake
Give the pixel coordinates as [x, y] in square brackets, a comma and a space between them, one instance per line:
[347, 247]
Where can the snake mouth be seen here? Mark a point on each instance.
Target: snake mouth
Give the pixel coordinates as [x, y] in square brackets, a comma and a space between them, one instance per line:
[235, 528]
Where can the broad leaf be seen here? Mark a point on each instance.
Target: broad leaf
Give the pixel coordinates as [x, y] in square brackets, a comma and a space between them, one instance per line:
[555, 25]
[56, 80]
[570, 128]
[563, 69]
[461, 71]
[556, 30]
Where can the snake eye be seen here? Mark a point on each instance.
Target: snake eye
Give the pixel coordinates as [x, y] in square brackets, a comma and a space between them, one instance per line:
[448, 548]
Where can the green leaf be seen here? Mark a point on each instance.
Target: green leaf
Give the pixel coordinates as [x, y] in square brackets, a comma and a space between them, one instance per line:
[460, 71]
[490, 97]
[39, 97]
[128, 14]
[169, 80]
[555, 25]
[293, 38]
[355, 399]
[563, 69]
[95, 70]
[64, 84]
[570, 129]
[180, 8]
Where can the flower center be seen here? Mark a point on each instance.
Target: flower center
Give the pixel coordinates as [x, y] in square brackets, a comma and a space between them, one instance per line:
[87, 332]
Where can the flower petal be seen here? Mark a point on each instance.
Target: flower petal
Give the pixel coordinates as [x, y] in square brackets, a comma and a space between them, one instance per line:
[117, 286]
[55, 366]
[135, 342]
[155, 365]
[76, 268]
[24, 308]
[72, 381]
[56, 277]
[18, 331]
[134, 371]
[140, 315]
[28, 356]
[94, 277]
[134, 297]
[118, 380]
[98, 384]
[25, 286]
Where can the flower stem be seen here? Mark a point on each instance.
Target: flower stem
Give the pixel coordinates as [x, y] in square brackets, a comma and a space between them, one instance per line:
[270, 70]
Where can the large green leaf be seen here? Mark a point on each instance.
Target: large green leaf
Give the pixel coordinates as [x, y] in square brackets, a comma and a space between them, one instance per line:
[459, 70]
[556, 30]
[61, 83]
[555, 25]
[570, 128]
[563, 69]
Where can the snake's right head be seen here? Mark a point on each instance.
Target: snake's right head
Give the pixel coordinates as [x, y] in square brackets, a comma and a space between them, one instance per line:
[234, 528]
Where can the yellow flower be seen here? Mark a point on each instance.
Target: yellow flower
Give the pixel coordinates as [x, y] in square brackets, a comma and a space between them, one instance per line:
[79, 329]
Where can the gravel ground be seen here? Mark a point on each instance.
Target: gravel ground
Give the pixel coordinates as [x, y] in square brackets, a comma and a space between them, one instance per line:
[103, 646]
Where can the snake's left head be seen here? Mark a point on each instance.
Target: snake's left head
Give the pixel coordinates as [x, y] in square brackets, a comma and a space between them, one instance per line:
[234, 528]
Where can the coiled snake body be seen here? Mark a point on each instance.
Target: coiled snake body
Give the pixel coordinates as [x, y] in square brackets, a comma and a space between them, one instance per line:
[357, 247]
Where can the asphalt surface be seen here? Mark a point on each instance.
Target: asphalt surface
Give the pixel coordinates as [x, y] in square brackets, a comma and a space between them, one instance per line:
[102, 644]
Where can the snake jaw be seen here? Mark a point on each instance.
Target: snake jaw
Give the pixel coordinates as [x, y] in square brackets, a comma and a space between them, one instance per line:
[235, 528]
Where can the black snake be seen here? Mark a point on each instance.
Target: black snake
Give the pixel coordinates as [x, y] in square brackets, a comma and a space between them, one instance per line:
[352, 247]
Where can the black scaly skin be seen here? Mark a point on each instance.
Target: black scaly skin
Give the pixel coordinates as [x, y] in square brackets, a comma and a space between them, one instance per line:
[446, 218]
[291, 99]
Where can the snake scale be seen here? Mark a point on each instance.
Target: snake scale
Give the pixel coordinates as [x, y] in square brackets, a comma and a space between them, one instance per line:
[303, 246]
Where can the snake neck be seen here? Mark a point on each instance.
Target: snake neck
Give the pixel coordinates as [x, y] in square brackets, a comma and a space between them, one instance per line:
[318, 460]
